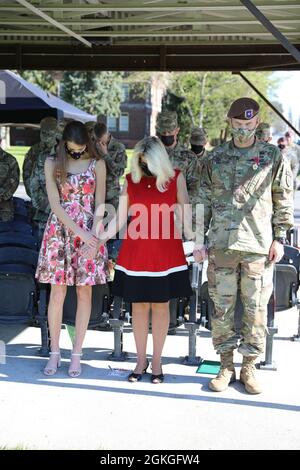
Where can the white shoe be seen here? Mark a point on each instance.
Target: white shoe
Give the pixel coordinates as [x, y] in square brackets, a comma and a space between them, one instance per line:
[75, 372]
[52, 370]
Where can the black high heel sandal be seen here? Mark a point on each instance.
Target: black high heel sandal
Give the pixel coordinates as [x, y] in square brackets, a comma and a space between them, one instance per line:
[134, 377]
[157, 378]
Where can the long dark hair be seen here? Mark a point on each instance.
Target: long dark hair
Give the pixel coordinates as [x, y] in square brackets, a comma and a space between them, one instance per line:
[77, 133]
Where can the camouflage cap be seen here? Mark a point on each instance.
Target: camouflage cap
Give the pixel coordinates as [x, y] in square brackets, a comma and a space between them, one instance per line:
[198, 136]
[166, 121]
[48, 124]
[243, 108]
[263, 130]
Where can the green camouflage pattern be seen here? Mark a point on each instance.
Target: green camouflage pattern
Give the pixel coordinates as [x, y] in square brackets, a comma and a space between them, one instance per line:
[48, 135]
[292, 153]
[247, 196]
[116, 162]
[198, 136]
[227, 271]
[39, 197]
[186, 161]
[263, 130]
[9, 182]
[166, 121]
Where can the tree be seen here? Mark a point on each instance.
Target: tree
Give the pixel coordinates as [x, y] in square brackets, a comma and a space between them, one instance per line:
[208, 96]
[43, 79]
[93, 92]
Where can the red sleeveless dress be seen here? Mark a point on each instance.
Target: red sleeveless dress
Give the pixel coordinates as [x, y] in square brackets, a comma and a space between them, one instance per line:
[151, 266]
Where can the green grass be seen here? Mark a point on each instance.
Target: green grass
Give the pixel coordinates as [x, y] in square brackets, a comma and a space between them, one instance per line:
[19, 152]
[18, 447]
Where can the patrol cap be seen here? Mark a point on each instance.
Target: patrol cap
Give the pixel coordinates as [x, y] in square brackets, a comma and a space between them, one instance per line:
[198, 136]
[243, 108]
[48, 124]
[263, 130]
[166, 121]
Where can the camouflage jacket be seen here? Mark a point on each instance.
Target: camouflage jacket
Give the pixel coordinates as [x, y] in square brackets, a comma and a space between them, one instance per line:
[9, 182]
[186, 161]
[292, 153]
[116, 162]
[247, 196]
[30, 160]
[37, 188]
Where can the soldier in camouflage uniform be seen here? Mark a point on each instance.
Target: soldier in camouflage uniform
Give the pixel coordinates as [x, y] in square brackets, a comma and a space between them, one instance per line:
[90, 127]
[47, 141]
[263, 133]
[198, 140]
[292, 153]
[9, 182]
[292, 147]
[181, 157]
[39, 197]
[114, 154]
[246, 189]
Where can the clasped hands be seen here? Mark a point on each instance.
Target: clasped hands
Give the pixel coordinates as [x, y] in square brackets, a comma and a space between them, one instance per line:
[91, 244]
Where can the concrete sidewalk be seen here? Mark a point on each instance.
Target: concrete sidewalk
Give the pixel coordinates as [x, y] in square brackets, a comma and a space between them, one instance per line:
[102, 410]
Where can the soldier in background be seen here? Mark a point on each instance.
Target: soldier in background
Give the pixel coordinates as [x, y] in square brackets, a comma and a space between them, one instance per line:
[39, 198]
[90, 127]
[114, 154]
[198, 140]
[181, 157]
[9, 182]
[292, 148]
[290, 156]
[263, 132]
[47, 140]
[246, 189]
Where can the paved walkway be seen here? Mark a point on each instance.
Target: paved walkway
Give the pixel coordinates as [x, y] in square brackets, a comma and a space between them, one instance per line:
[101, 410]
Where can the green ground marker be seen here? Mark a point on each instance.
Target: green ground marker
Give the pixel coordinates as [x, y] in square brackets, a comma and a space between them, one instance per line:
[208, 367]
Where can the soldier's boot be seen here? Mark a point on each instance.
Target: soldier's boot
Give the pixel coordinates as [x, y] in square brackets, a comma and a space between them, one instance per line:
[226, 374]
[247, 376]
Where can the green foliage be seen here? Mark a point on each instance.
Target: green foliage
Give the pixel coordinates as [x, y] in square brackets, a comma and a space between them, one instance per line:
[93, 92]
[208, 96]
[41, 78]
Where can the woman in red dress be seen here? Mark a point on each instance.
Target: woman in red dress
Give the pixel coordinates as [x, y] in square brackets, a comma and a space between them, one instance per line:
[151, 267]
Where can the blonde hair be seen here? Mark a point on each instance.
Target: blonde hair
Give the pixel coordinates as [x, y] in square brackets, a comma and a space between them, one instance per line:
[157, 160]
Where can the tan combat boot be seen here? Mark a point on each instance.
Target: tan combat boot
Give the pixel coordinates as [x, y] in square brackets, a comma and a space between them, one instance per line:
[247, 376]
[226, 374]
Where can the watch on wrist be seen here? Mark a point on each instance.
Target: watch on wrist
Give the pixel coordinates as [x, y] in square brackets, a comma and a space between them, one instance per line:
[281, 240]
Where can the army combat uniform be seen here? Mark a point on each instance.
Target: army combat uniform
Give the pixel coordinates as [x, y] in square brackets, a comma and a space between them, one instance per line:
[247, 198]
[47, 136]
[116, 162]
[39, 196]
[9, 182]
[181, 157]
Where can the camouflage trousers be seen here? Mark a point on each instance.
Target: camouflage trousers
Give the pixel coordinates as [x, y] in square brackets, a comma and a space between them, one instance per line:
[6, 211]
[228, 271]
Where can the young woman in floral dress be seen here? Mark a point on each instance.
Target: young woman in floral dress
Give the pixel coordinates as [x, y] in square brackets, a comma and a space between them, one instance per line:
[70, 253]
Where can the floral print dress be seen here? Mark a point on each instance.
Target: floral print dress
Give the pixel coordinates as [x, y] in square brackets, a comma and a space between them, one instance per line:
[60, 260]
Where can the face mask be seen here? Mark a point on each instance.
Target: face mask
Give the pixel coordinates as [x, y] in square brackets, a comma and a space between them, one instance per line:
[281, 146]
[243, 135]
[73, 154]
[145, 169]
[167, 140]
[197, 148]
